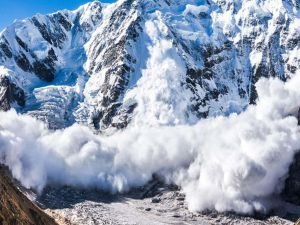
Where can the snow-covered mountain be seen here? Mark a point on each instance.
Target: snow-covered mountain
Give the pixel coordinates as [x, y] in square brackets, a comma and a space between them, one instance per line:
[43, 56]
[146, 62]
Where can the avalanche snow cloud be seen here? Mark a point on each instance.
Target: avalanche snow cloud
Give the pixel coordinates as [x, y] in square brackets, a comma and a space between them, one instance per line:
[224, 163]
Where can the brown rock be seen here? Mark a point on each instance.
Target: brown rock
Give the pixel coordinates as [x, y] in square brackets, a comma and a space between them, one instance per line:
[15, 208]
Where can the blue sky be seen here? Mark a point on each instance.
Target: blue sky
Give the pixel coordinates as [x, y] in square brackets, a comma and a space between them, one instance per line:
[20, 9]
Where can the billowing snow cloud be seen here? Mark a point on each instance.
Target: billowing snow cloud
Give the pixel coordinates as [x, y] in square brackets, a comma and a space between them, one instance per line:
[225, 163]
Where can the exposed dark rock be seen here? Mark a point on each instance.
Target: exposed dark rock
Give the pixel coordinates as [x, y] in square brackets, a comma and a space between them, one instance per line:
[55, 36]
[9, 93]
[43, 71]
[23, 62]
[22, 43]
[43, 30]
[51, 55]
[195, 78]
[62, 20]
[6, 49]
[291, 191]
[156, 200]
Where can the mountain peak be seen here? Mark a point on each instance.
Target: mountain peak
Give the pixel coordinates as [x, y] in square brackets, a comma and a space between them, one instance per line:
[96, 65]
[90, 6]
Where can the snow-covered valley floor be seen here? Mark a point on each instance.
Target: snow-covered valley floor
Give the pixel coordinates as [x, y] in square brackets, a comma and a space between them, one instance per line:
[154, 204]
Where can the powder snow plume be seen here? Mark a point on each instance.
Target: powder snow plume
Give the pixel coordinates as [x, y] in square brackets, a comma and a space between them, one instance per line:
[231, 163]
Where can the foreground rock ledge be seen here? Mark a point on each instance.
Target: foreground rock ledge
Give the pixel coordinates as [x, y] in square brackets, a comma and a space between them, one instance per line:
[15, 208]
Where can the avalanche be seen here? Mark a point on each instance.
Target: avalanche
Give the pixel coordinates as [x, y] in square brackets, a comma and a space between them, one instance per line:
[234, 163]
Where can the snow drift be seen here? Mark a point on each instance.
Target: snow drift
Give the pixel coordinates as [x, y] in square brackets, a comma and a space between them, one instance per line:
[225, 163]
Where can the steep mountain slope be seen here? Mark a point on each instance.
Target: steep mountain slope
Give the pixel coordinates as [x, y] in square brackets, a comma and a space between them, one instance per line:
[148, 62]
[174, 60]
[45, 56]
[16, 208]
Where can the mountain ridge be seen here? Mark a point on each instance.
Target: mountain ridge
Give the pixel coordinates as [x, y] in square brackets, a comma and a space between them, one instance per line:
[103, 65]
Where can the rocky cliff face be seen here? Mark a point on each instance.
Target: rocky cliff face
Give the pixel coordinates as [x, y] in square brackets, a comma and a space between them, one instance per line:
[292, 184]
[10, 93]
[158, 62]
[16, 208]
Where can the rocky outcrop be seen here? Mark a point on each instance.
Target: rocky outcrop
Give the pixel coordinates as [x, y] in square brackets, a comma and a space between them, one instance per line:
[292, 185]
[10, 93]
[15, 208]
[291, 191]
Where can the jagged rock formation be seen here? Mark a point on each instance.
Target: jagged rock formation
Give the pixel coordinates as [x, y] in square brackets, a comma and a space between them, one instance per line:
[10, 93]
[161, 62]
[15, 208]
